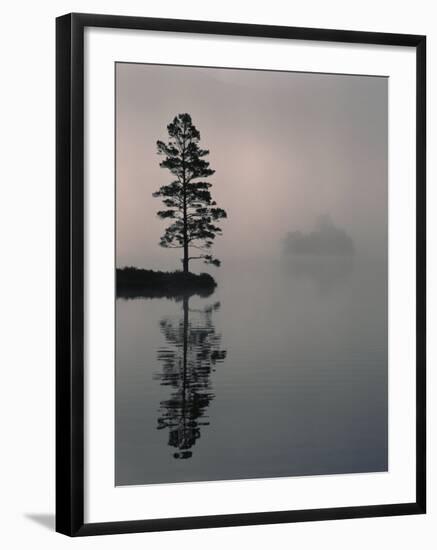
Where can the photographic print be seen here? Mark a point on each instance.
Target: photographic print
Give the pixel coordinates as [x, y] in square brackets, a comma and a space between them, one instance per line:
[251, 274]
[240, 274]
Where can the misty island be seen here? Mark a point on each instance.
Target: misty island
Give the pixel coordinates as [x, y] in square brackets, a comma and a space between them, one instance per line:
[193, 215]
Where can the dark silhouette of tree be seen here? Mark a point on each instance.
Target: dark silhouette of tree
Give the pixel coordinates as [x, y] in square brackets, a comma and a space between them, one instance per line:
[187, 367]
[187, 198]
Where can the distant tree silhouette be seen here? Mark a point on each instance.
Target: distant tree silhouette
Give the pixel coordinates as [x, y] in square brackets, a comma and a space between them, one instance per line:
[187, 198]
[192, 353]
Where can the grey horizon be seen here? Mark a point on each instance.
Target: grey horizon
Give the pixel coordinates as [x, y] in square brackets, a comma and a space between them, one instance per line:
[287, 148]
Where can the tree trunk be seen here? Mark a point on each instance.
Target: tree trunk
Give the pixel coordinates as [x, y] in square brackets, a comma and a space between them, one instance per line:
[185, 234]
[185, 231]
[185, 259]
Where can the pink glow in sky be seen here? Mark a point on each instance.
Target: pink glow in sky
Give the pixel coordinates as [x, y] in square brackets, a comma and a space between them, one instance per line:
[287, 148]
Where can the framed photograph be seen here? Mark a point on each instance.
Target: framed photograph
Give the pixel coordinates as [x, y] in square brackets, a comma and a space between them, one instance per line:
[240, 274]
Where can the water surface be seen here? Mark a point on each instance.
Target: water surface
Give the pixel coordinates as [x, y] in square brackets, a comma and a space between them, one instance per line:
[282, 371]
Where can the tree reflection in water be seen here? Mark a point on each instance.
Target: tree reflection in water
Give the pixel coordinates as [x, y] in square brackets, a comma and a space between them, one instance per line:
[188, 361]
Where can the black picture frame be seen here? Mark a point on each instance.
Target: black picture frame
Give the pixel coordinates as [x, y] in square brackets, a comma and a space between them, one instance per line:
[70, 273]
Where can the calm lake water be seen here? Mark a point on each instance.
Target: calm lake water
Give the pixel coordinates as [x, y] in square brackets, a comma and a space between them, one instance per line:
[282, 371]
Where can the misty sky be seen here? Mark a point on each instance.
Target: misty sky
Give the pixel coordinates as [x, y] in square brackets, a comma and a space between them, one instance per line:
[287, 148]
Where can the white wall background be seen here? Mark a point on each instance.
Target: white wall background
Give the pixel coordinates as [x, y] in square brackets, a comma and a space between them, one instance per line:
[27, 170]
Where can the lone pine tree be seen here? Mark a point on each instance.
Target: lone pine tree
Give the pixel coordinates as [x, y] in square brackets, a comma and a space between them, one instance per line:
[187, 198]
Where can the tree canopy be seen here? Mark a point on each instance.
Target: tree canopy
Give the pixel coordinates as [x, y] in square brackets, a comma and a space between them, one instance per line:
[187, 198]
